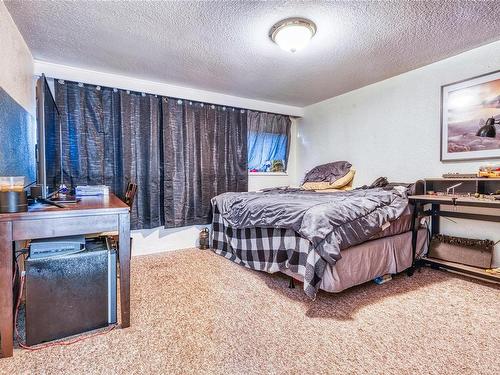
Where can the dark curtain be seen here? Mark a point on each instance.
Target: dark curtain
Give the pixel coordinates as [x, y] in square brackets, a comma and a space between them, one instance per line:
[268, 139]
[112, 137]
[205, 154]
[179, 153]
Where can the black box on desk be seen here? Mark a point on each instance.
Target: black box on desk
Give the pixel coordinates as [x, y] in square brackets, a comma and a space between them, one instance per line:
[70, 294]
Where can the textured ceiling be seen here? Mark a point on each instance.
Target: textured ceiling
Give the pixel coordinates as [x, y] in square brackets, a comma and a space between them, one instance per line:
[223, 46]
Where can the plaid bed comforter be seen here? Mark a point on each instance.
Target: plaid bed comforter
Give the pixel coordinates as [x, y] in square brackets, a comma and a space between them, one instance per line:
[268, 249]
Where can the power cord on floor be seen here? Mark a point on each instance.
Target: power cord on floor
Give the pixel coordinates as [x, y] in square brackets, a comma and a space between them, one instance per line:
[50, 344]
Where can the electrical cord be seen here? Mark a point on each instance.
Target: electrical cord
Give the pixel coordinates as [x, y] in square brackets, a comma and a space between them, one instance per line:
[16, 267]
[24, 250]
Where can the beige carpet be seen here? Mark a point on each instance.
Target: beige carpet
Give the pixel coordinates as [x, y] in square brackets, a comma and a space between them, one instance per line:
[196, 312]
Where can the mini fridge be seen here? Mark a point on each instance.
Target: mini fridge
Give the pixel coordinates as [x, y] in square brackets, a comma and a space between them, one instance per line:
[70, 294]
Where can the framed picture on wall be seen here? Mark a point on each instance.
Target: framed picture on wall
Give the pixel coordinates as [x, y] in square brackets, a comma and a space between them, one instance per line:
[470, 117]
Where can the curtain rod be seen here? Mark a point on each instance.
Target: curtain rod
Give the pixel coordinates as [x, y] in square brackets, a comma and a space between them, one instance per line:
[179, 100]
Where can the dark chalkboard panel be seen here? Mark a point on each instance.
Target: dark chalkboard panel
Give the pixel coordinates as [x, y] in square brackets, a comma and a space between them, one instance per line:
[17, 139]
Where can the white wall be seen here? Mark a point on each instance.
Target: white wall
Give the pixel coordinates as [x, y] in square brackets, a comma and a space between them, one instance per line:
[16, 63]
[392, 129]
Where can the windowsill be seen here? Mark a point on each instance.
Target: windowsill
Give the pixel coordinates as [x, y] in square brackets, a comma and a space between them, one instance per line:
[268, 173]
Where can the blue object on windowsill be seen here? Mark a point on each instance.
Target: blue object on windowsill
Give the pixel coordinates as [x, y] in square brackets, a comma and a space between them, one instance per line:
[266, 167]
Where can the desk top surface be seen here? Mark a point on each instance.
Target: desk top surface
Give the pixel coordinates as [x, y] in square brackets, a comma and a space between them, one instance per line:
[98, 205]
[457, 200]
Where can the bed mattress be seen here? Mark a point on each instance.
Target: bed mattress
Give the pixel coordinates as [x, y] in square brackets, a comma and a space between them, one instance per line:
[329, 221]
[400, 225]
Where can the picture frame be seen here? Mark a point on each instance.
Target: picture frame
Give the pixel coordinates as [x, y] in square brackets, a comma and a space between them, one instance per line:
[466, 107]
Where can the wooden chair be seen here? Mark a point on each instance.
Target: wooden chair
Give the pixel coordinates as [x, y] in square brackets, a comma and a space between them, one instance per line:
[130, 194]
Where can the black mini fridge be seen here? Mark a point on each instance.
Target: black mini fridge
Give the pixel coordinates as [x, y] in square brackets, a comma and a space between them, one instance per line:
[70, 294]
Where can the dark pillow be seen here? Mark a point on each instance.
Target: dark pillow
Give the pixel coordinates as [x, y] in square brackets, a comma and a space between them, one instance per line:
[330, 172]
[382, 182]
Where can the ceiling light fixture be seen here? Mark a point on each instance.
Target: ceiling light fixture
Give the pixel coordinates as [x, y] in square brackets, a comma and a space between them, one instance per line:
[292, 34]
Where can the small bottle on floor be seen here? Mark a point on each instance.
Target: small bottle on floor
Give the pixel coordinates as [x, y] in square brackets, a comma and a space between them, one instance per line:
[382, 279]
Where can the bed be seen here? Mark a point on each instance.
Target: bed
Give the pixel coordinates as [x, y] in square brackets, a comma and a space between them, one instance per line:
[328, 241]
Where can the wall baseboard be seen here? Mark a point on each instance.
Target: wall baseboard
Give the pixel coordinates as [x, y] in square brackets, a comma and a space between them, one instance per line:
[158, 240]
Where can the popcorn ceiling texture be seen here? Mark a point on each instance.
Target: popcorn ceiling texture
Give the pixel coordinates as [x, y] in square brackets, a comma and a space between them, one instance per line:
[194, 312]
[224, 46]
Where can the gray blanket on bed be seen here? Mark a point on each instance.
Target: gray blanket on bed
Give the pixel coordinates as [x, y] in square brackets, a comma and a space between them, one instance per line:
[330, 221]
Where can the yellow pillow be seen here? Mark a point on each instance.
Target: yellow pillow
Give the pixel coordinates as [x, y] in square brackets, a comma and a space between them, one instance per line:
[344, 188]
[345, 181]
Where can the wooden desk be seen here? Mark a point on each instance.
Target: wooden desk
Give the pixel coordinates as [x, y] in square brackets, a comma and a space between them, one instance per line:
[419, 201]
[90, 215]
[456, 200]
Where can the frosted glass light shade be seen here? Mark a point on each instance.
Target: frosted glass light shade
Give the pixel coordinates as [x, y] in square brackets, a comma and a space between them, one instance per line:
[293, 34]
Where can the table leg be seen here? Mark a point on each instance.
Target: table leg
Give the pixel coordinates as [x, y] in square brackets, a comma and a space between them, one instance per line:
[414, 234]
[435, 219]
[6, 303]
[124, 255]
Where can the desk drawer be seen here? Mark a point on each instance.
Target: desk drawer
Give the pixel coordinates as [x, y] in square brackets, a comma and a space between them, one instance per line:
[58, 227]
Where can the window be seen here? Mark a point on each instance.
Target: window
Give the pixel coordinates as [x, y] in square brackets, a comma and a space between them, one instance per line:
[268, 139]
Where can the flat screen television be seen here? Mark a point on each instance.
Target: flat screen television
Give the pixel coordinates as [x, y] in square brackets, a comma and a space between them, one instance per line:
[49, 140]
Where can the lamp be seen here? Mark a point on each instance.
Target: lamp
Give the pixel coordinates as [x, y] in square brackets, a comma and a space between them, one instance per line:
[488, 129]
[292, 34]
